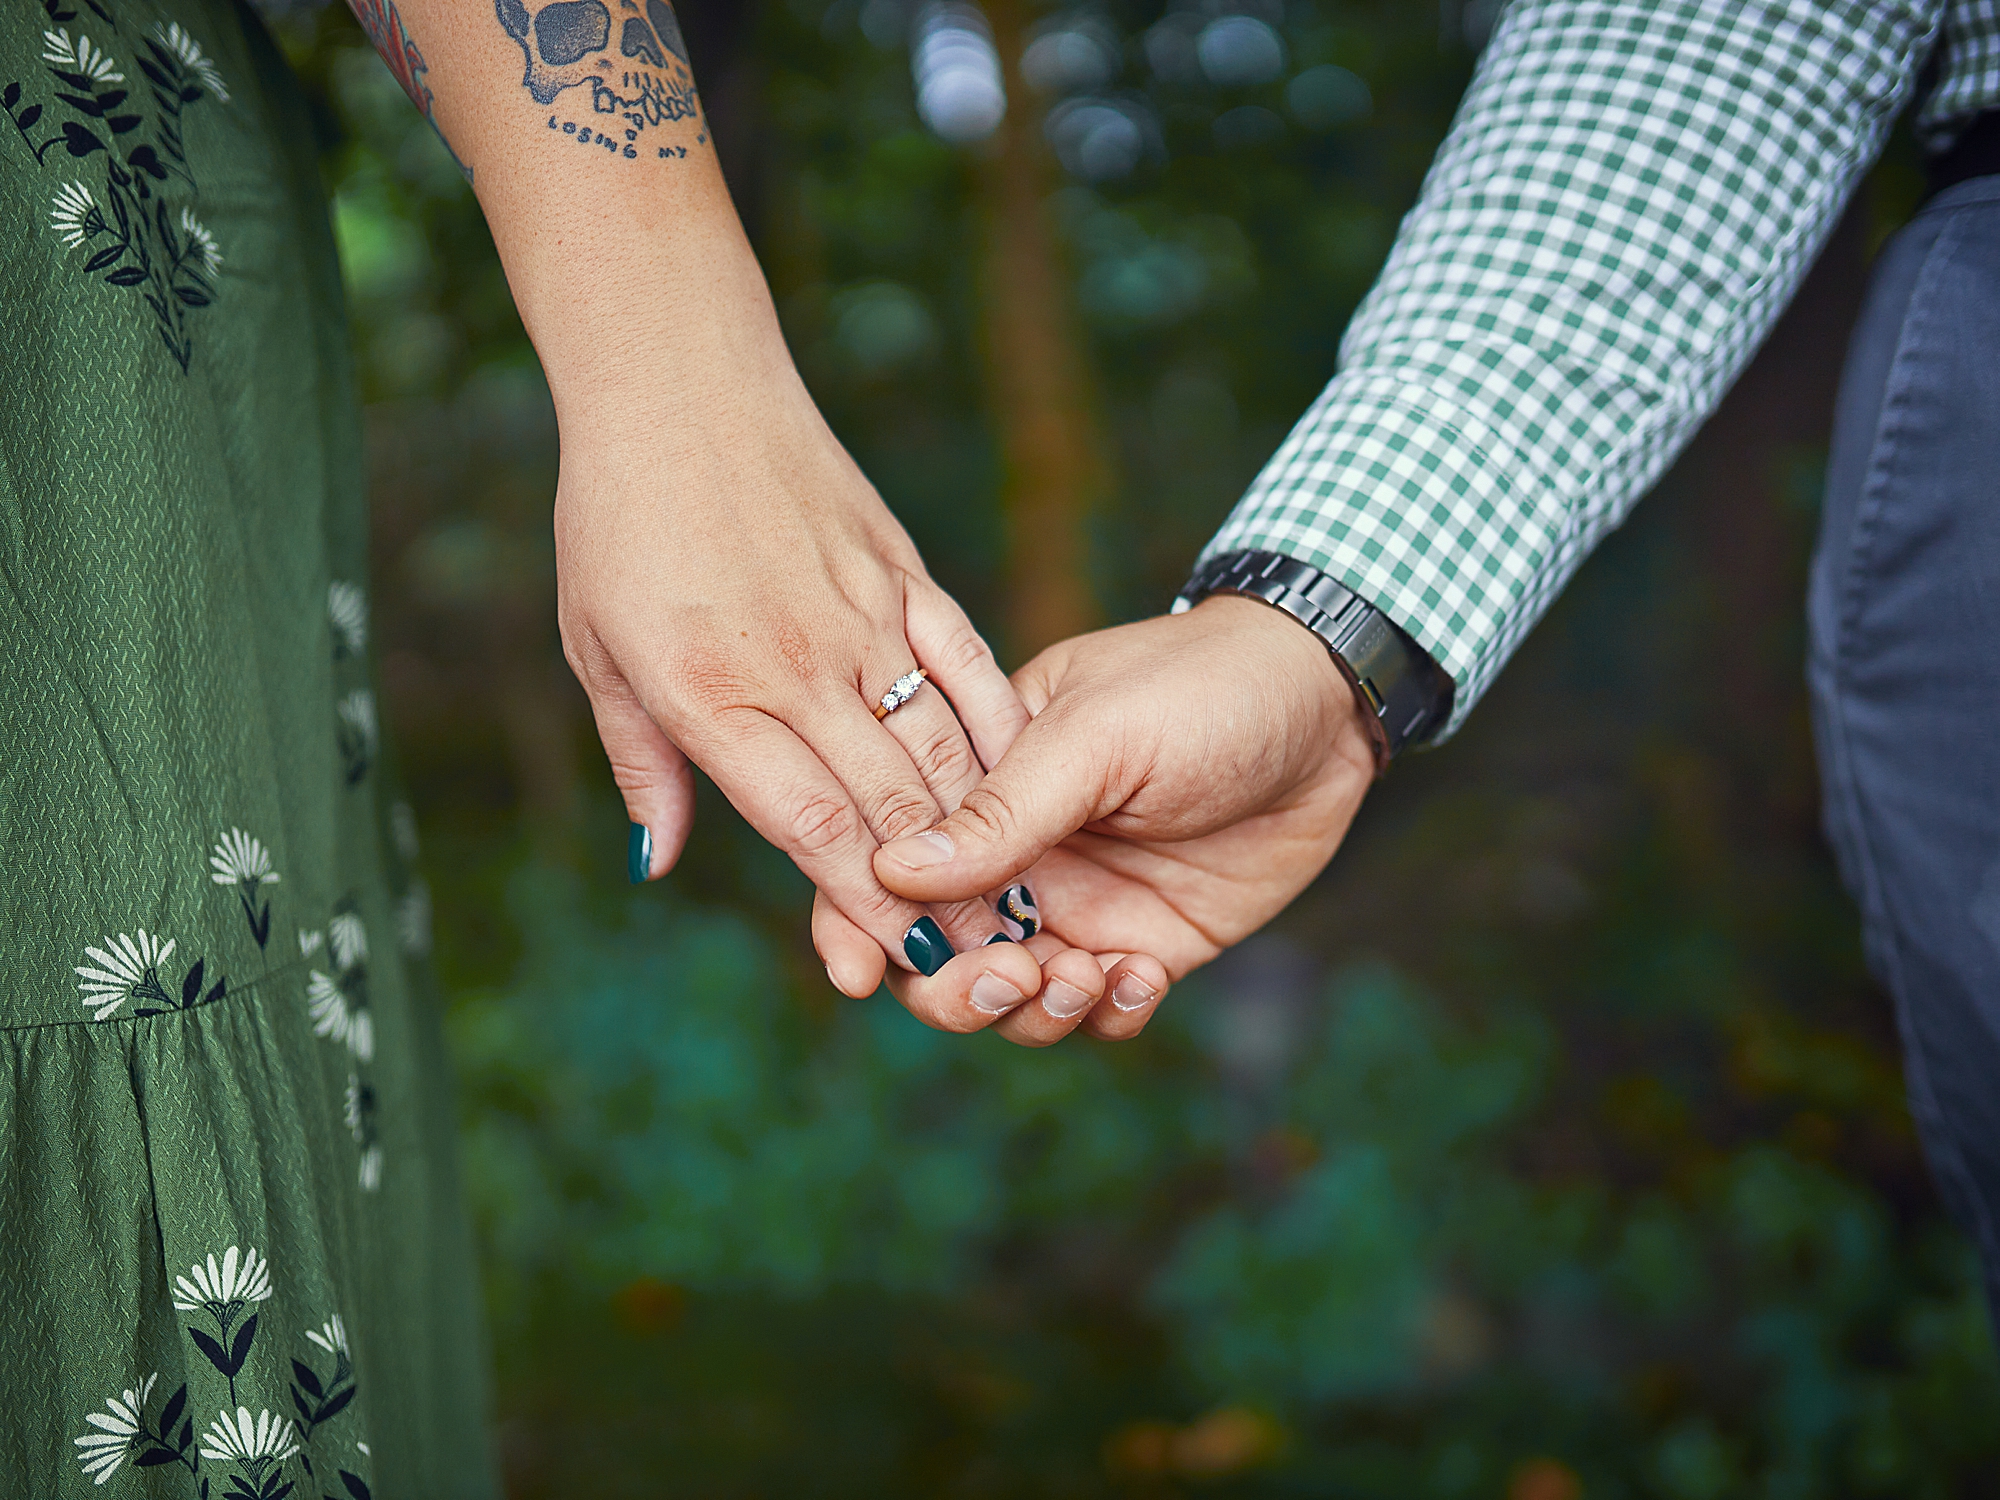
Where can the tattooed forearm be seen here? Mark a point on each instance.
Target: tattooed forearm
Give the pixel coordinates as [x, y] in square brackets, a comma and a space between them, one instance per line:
[384, 25]
[600, 99]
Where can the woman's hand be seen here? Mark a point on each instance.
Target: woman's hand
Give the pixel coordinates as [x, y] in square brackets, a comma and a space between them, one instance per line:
[729, 585]
[1183, 779]
[734, 592]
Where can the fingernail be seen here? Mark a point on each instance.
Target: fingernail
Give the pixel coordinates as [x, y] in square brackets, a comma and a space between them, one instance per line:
[639, 853]
[1133, 993]
[998, 937]
[1064, 1000]
[927, 947]
[1019, 912]
[920, 851]
[994, 996]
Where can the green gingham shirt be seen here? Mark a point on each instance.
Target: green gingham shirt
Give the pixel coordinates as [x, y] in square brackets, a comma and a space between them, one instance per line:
[1628, 198]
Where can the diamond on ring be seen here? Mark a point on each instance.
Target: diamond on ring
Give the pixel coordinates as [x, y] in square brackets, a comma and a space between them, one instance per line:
[901, 691]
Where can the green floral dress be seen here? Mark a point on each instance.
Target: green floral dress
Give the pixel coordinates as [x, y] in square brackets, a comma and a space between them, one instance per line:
[233, 1259]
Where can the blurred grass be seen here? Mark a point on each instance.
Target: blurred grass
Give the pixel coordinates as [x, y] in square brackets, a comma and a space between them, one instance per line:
[1552, 1145]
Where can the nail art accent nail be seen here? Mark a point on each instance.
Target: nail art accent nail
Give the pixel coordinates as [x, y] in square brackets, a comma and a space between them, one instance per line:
[1064, 1000]
[998, 937]
[1133, 993]
[1017, 908]
[994, 996]
[920, 851]
[639, 853]
[927, 947]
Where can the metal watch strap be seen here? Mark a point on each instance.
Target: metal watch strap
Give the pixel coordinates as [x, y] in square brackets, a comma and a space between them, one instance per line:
[1410, 693]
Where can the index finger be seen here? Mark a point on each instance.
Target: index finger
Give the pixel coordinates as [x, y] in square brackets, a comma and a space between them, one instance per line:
[961, 665]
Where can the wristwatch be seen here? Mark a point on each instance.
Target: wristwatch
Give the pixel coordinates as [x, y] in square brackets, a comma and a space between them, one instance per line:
[1409, 693]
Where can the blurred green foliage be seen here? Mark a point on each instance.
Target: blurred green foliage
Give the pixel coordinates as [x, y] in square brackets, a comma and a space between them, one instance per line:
[1552, 1145]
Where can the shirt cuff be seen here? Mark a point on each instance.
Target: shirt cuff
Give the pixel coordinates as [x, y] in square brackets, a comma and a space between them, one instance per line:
[1423, 509]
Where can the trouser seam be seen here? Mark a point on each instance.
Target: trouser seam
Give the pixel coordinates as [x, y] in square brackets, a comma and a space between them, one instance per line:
[1942, 1144]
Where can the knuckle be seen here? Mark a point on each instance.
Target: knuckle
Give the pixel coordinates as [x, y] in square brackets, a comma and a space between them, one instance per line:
[877, 911]
[965, 650]
[588, 658]
[899, 812]
[708, 684]
[941, 1015]
[874, 913]
[942, 757]
[822, 823]
[631, 776]
[987, 814]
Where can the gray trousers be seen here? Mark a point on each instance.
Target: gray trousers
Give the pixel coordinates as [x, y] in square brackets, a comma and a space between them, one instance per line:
[1905, 673]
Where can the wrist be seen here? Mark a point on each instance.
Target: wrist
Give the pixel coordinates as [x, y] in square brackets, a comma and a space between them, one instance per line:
[632, 322]
[1407, 694]
[1338, 717]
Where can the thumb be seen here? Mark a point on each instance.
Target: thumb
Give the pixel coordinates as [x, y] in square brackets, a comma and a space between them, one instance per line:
[1050, 783]
[652, 775]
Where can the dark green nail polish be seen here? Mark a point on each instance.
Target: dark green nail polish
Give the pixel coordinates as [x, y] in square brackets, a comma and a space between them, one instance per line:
[998, 937]
[927, 947]
[639, 853]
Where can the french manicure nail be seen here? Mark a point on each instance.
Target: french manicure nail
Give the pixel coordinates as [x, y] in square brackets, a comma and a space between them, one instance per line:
[639, 853]
[920, 851]
[1017, 908]
[926, 946]
[1133, 993]
[994, 996]
[1064, 1000]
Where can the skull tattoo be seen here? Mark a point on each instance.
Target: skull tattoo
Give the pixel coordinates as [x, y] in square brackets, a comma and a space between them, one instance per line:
[568, 42]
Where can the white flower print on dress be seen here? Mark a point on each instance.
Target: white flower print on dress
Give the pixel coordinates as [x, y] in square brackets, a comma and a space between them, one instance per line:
[310, 942]
[224, 1290]
[347, 608]
[176, 39]
[358, 732]
[240, 859]
[403, 830]
[348, 939]
[255, 1443]
[331, 1336]
[357, 712]
[76, 216]
[124, 969]
[319, 1397]
[243, 862]
[201, 242]
[360, 1115]
[120, 1428]
[338, 1018]
[81, 56]
[413, 919]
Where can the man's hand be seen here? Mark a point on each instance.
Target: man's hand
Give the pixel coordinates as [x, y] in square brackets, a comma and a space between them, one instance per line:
[1182, 780]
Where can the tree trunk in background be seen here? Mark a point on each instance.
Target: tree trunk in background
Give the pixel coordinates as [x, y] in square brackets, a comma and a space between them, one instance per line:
[1043, 401]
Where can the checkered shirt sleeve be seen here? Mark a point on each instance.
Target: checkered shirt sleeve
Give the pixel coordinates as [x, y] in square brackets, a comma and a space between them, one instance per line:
[1628, 198]
[1969, 75]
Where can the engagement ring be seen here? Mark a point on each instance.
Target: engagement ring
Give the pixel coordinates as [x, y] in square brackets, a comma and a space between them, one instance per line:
[901, 691]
